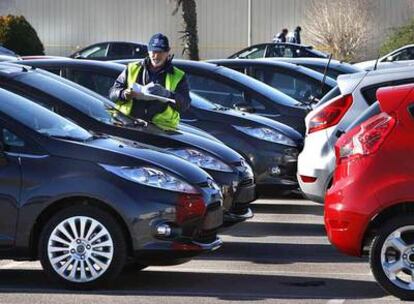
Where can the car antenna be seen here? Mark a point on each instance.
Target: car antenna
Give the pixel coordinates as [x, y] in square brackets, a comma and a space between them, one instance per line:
[376, 63]
[326, 72]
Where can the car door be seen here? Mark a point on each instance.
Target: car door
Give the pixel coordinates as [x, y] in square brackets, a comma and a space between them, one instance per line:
[10, 185]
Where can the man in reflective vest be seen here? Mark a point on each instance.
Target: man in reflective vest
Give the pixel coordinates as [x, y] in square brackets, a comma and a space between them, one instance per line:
[159, 77]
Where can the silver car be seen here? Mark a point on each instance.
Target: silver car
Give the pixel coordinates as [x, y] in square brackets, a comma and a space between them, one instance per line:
[396, 59]
[334, 113]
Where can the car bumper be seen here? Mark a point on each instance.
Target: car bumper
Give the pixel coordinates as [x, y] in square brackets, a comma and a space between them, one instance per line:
[275, 169]
[315, 191]
[349, 207]
[239, 190]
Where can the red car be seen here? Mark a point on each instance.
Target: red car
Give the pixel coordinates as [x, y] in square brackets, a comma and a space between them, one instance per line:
[370, 206]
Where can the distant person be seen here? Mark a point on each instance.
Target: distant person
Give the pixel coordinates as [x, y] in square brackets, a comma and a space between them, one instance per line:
[295, 36]
[281, 37]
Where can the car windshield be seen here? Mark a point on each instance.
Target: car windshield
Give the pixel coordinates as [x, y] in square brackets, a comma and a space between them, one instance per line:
[76, 96]
[202, 103]
[258, 86]
[40, 119]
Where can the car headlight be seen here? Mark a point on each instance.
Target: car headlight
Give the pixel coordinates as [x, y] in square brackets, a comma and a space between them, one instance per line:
[267, 135]
[201, 159]
[152, 177]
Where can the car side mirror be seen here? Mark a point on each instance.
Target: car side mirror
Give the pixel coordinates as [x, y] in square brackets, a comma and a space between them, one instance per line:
[78, 56]
[390, 58]
[244, 107]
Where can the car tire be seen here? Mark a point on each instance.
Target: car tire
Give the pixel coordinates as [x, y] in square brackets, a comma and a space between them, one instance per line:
[392, 256]
[82, 247]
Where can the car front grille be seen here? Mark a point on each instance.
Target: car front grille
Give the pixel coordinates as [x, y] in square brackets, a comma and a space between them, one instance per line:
[246, 182]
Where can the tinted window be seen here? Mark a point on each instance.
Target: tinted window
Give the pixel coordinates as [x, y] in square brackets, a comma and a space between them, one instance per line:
[295, 85]
[201, 103]
[120, 50]
[370, 93]
[273, 95]
[331, 72]
[83, 102]
[140, 51]
[407, 54]
[11, 140]
[40, 119]
[279, 50]
[215, 90]
[253, 52]
[95, 51]
[96, 82]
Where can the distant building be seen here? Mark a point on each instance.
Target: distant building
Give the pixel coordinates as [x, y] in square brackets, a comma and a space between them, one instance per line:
[64, 25]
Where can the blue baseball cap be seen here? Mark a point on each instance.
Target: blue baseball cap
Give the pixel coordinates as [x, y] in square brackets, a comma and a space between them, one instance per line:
[158, 43]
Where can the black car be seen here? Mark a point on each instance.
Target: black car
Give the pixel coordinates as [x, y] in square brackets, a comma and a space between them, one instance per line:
[98, 114]
[273, 163]
[300, 83]
[270, 147]
[278, 49]
[112, 50]
[232, 89]
[84, 204]
[334, 69]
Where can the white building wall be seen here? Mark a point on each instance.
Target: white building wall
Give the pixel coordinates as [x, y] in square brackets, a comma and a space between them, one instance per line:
[64, 25]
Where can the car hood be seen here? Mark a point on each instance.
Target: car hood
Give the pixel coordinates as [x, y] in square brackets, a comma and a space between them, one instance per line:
[196, 131]
[174, 139]
[112, 152]
[237, 118]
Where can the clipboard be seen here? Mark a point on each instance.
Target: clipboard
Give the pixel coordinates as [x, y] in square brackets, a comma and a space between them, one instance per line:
[146, 96]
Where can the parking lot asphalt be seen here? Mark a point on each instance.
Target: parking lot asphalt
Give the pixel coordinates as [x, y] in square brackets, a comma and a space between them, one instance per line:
[282, 255]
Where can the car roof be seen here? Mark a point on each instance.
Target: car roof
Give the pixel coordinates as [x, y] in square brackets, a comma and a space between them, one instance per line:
[73, 62]
[347, 83]
[264, 62]
[322, 62]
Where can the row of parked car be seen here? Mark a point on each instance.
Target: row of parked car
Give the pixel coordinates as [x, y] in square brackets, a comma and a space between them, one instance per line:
[252, 125]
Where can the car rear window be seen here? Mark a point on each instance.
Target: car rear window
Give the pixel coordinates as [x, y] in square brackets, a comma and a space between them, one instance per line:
[370, 92]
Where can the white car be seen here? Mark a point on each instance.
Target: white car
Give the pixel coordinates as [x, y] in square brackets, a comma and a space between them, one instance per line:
[331, 116]
[396, 59]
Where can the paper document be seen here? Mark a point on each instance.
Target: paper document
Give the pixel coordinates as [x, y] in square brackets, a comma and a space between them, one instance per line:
[146, 96]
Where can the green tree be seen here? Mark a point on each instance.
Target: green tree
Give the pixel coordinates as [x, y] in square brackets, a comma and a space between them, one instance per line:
[18, 35]
[400, 36]
[189, 33]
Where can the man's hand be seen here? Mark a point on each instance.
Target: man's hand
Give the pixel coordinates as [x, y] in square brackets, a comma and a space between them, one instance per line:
[132, 93]
[158, 90]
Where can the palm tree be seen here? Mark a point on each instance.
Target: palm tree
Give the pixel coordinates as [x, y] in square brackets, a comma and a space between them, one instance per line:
[189, 33]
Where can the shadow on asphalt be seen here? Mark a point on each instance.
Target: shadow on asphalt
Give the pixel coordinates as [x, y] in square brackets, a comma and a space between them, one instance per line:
[265, 253]
[287, 209]
[242, 287]
[260, 229]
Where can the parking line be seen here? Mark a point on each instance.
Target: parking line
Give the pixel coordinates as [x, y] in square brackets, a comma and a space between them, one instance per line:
[12, 264]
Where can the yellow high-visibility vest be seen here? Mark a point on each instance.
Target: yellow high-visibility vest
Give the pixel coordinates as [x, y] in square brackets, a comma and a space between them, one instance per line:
[169, 118]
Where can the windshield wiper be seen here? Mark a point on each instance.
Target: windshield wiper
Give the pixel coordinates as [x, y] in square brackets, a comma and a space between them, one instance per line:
[68, 137]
